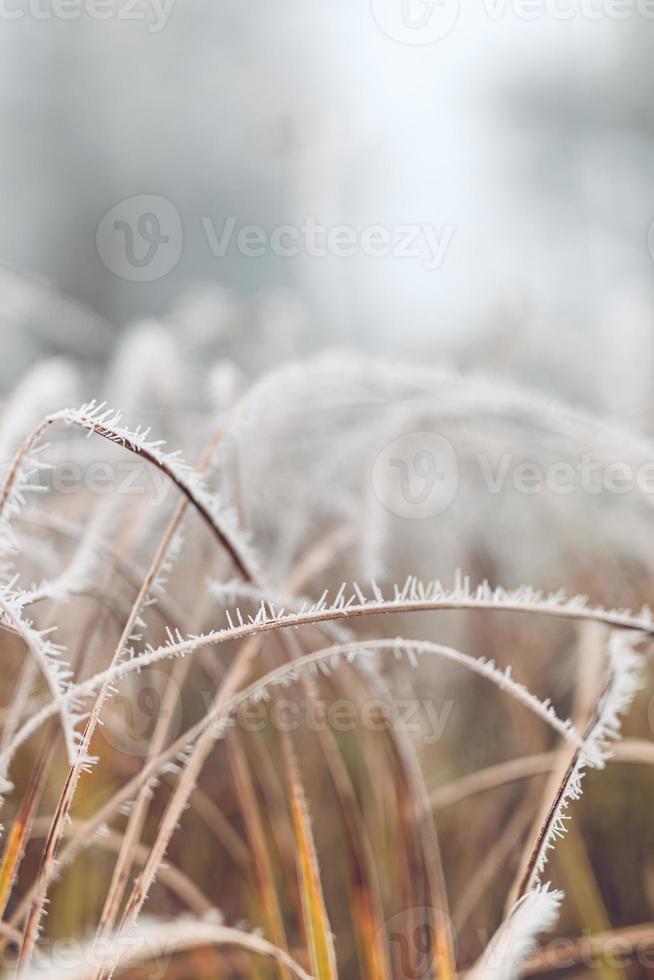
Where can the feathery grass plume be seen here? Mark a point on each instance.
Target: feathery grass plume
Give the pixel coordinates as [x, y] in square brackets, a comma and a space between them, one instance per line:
[535, 913]
[225, 385]
[146, 369]
[43, 388]
[155, 941]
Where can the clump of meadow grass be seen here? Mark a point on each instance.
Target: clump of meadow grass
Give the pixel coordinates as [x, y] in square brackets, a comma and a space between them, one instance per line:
[217, 759]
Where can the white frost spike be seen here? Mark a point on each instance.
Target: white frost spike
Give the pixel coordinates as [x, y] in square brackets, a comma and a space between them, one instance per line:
[417, 595]
[535, 913]
[235, 589]
[98, 418]
[626, 680]
[48, 657]
[438, 599]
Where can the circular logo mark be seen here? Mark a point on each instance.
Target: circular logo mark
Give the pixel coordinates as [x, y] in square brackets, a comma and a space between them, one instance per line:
[416, 475]
[140, 239]
[138, 710]
[414, 939]
[416, 21]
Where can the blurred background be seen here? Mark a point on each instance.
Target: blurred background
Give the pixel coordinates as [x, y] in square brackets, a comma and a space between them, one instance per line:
[504, 150]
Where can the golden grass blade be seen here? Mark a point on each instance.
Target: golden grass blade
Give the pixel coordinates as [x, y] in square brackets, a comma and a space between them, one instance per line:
[318, 930]
[270, 906]
[536, 912]
[366, 903]
[20, 830]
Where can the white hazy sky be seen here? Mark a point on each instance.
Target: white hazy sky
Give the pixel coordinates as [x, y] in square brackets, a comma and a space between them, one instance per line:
[272, 112]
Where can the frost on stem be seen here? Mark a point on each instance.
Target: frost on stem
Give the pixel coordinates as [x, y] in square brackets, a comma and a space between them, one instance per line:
[48, 656]
[624, 681]
[414, 596]
[106, 422]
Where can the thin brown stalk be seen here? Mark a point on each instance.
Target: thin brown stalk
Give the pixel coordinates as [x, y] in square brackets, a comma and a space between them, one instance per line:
[543, 831]
[65, 802]
[138, 814]
[587, 951]
[313, 618]
[108, 433]
[629, 750]
[178, 883]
